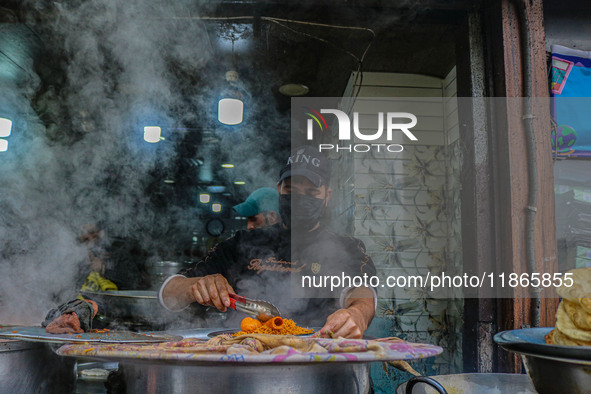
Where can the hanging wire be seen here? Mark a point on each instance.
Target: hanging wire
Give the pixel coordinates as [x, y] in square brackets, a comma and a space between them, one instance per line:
[359, 75]
[233, 55]
[281, 22]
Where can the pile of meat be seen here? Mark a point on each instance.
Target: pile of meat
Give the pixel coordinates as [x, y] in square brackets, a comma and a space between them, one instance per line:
[73, 317]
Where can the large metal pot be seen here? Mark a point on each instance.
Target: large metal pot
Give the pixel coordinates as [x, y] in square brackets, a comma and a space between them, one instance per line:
[158, 271]
[143, 306]
[127, 303]
[166, 377]
[29, 367]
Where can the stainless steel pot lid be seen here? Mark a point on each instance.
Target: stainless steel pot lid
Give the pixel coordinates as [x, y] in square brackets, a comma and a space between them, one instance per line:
[168, 263]
[38, 334]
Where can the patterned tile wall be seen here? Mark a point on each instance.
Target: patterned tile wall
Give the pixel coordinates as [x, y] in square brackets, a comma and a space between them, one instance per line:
[406, 209]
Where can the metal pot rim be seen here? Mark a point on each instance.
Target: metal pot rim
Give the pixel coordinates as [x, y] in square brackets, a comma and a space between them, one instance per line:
[167, 263]
[134, 294]
[11, 345]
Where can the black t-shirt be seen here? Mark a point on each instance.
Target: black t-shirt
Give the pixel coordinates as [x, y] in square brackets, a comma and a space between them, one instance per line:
[292, 271]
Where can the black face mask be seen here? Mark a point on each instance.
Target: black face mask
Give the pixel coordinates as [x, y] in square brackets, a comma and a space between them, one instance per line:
[300, 212]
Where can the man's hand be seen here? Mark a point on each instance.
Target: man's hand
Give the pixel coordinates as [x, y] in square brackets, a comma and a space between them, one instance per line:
[209, 290]
[352, 321]
[212, 290]
[348, 323]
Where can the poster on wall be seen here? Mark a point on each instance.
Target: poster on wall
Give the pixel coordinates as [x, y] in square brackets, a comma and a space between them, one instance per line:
[571, 92]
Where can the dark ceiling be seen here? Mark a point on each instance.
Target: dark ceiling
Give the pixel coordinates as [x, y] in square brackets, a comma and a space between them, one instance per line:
[410, 39]
[45, 42]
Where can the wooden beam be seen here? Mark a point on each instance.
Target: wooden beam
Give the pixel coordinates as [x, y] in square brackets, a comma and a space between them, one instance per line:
[396, 4]
[476, 193]
[510, 164]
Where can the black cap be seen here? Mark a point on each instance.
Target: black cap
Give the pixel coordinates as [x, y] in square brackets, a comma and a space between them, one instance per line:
[308, 162]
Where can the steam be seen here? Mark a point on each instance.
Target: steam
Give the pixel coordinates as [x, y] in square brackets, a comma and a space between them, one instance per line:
[77, 155]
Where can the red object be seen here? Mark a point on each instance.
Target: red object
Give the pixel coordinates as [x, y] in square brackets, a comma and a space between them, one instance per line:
[236, 298]
[67, 323]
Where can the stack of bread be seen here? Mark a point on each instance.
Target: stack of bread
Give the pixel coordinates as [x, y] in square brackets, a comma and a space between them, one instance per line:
[573, 317]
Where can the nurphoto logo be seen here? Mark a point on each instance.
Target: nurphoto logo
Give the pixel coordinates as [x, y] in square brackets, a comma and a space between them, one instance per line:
[394, 122]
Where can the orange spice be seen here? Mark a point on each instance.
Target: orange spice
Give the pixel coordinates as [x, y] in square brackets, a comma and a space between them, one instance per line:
[289, 327]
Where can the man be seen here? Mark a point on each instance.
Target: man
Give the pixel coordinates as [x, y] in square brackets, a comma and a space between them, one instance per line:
[273, 262]
[261, 208]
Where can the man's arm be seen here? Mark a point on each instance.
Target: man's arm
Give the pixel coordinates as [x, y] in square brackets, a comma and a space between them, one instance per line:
[205, 282]
[353, 320]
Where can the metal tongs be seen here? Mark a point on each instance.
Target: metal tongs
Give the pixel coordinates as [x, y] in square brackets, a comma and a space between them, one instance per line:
[262, 310]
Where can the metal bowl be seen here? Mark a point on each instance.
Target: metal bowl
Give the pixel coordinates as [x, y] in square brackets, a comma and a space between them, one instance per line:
[552, 368]
[234, 330]
[158, 271]
[469, 383]
[558, 375]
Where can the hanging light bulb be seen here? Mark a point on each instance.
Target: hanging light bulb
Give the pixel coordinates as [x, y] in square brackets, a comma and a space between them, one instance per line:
[153, 134]
[231, 105]
[5, 130]
[5, 127]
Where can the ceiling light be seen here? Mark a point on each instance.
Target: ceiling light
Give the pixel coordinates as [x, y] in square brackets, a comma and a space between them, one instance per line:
[152, 134]
[216, 207]
[227, 165]
[230, 111]
[204, 198]
[5, 127]
[3, 145]
[293, 89]
[239, 183]
[231, 105]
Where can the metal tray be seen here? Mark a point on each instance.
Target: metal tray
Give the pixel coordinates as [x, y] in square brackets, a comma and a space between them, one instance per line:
[232, 331]
[38, 334]
[531, 341]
